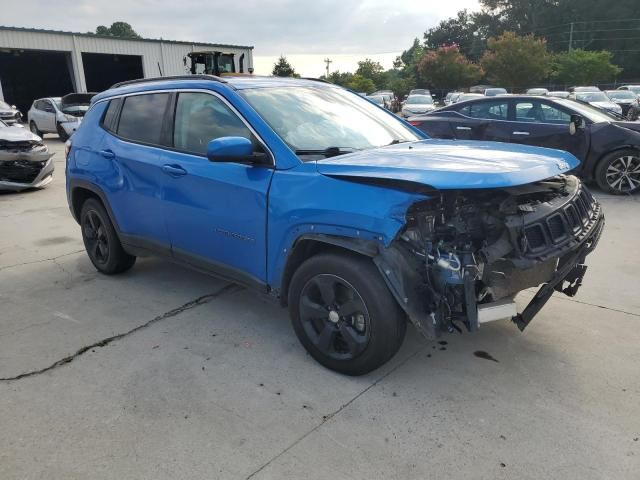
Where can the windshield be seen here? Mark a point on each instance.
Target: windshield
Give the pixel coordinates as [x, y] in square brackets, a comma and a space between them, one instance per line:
[379, 99]
[420, 99]
[315, 119]
[635, 89]
[5, 105]
[592, 97]
[489, 92]
[621, 95]
[591, 113]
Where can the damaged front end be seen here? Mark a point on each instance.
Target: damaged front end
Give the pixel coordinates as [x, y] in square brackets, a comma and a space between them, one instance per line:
[464, 255]
[24, 163]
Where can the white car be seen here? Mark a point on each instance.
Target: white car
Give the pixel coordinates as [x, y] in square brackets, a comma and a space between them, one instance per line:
[416, 105]
[58, 115]
[597, 99]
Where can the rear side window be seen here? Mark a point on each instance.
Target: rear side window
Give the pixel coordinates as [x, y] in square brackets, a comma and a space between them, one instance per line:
[200, 118]
[497, 110]
[142, 117]
[110, 119]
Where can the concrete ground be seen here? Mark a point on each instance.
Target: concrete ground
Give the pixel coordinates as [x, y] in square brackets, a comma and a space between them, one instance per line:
[164, 373]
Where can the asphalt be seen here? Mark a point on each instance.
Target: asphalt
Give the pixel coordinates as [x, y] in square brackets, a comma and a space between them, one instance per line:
[165, 373]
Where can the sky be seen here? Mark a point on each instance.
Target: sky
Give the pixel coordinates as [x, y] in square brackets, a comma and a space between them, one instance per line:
[304, 31]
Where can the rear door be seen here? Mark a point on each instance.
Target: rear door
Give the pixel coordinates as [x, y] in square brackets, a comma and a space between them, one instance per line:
[483, 120]
[216, 212]
[544, 124]
[47, 117]
[134, 144]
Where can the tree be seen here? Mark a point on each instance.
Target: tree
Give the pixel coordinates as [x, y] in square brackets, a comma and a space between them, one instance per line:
[446, 67]
[117, 29]
[282, 68]
[461, 31]
[359, 83]
[580, 67]
[513, 61]
[339, 78]
[368, 68]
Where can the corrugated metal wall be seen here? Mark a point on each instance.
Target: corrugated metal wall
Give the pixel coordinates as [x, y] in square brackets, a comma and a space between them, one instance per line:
[169, 55]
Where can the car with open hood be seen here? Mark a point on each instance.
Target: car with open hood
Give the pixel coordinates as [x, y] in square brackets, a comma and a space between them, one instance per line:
[61, 115]
[25, 161]
[607, 146]
[333, 206]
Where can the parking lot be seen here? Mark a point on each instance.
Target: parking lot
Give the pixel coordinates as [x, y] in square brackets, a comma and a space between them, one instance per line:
[166, 373]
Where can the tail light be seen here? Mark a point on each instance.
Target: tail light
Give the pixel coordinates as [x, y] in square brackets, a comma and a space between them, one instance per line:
[415, 123]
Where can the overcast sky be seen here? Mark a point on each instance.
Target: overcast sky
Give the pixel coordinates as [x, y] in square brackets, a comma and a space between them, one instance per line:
[306, 31]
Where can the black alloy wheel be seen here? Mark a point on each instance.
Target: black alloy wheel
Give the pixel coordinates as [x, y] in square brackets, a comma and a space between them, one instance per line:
[96, 240]
[334, 317]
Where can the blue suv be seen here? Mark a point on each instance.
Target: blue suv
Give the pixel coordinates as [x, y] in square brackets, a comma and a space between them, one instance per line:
[348, 215]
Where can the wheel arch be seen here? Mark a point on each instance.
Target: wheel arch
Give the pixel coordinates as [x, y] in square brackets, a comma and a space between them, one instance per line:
[80, 192]
[309, 245]
[602, 156]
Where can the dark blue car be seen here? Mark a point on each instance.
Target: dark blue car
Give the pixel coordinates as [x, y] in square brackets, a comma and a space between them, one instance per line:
[336, 207]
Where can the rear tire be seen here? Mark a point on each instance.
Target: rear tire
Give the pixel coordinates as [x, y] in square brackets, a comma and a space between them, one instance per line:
[619, 172]
[34, 129]
[101, 240]
[344, 314]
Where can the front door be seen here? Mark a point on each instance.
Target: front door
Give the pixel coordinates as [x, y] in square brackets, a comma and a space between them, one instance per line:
[543, 124]
[216, 212]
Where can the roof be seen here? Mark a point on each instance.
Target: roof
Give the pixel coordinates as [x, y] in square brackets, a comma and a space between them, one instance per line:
[239, 82]
[93, 35]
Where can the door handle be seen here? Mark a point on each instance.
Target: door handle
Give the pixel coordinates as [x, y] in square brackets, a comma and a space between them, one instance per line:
[463, 128]
[107, 154]
[174, 170]
[521, 133]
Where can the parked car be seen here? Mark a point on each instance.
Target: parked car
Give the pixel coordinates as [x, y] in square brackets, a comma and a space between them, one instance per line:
[538, 92]
[25, 161]
[495, 91]
[454, 97]
[558, 94]
[632, 88]
[597, 99]
[584, 89]
[9, 114]
[463, 97]
[609, 149]
[351, 217]
[58, 115]
[417, 104]
[625, 99]
[379, 100]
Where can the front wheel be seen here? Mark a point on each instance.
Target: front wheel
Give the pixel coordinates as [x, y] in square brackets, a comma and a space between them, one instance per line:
[34, 129]
[101, 240]
[619, 172]
[344, 314]
[62, 134]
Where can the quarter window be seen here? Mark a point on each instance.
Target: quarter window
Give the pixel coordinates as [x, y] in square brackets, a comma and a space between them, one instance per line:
[486, 110]
[200, 118]
[109, 121]
[142, 117]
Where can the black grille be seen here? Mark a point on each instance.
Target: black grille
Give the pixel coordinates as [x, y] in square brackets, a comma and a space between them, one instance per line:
[570, 222]
[17, 146]
[20, 171]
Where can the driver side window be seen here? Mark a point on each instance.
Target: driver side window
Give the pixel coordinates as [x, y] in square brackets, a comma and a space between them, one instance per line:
[200, 118]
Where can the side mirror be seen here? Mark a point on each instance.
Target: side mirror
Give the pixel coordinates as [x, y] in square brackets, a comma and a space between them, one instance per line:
[230, 149]
[14, 107]
[577, 121]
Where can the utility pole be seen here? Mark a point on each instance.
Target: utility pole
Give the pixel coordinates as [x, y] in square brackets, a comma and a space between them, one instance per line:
[571, 37]
[328, 61]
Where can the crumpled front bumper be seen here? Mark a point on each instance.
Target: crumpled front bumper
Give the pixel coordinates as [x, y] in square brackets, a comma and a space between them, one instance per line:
[20, 170]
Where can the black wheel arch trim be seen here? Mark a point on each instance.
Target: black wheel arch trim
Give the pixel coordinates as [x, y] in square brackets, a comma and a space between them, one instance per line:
[76, 184]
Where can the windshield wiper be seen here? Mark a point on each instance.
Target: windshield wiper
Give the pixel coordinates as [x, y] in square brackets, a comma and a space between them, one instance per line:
[327, 152]
[396, 141]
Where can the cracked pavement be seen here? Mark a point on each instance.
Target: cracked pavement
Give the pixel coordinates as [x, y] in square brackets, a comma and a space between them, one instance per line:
[166, 373]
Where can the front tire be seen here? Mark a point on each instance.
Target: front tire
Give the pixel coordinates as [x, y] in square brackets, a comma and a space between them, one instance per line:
[344, 314]
[34, 129]
[62, 134]
[619, 172]
[101, 240]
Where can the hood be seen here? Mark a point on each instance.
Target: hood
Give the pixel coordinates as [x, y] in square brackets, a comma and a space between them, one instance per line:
[605, 105]
[452, 164]
[17, 134]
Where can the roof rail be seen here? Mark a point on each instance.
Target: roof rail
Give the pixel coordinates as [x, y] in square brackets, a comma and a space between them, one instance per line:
[212, 78]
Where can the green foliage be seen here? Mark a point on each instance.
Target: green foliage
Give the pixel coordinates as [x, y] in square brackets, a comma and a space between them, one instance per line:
[516, 61]
[339, 78]
[282, 68]
[368, 68]
[117, 29]
[446, 67]
[359, 83]
[580, 67]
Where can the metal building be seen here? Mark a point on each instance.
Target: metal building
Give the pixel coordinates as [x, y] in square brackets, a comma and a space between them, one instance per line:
[46, 63]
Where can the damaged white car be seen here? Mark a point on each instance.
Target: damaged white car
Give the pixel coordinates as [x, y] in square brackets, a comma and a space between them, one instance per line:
[25, 161]
[58, 115]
